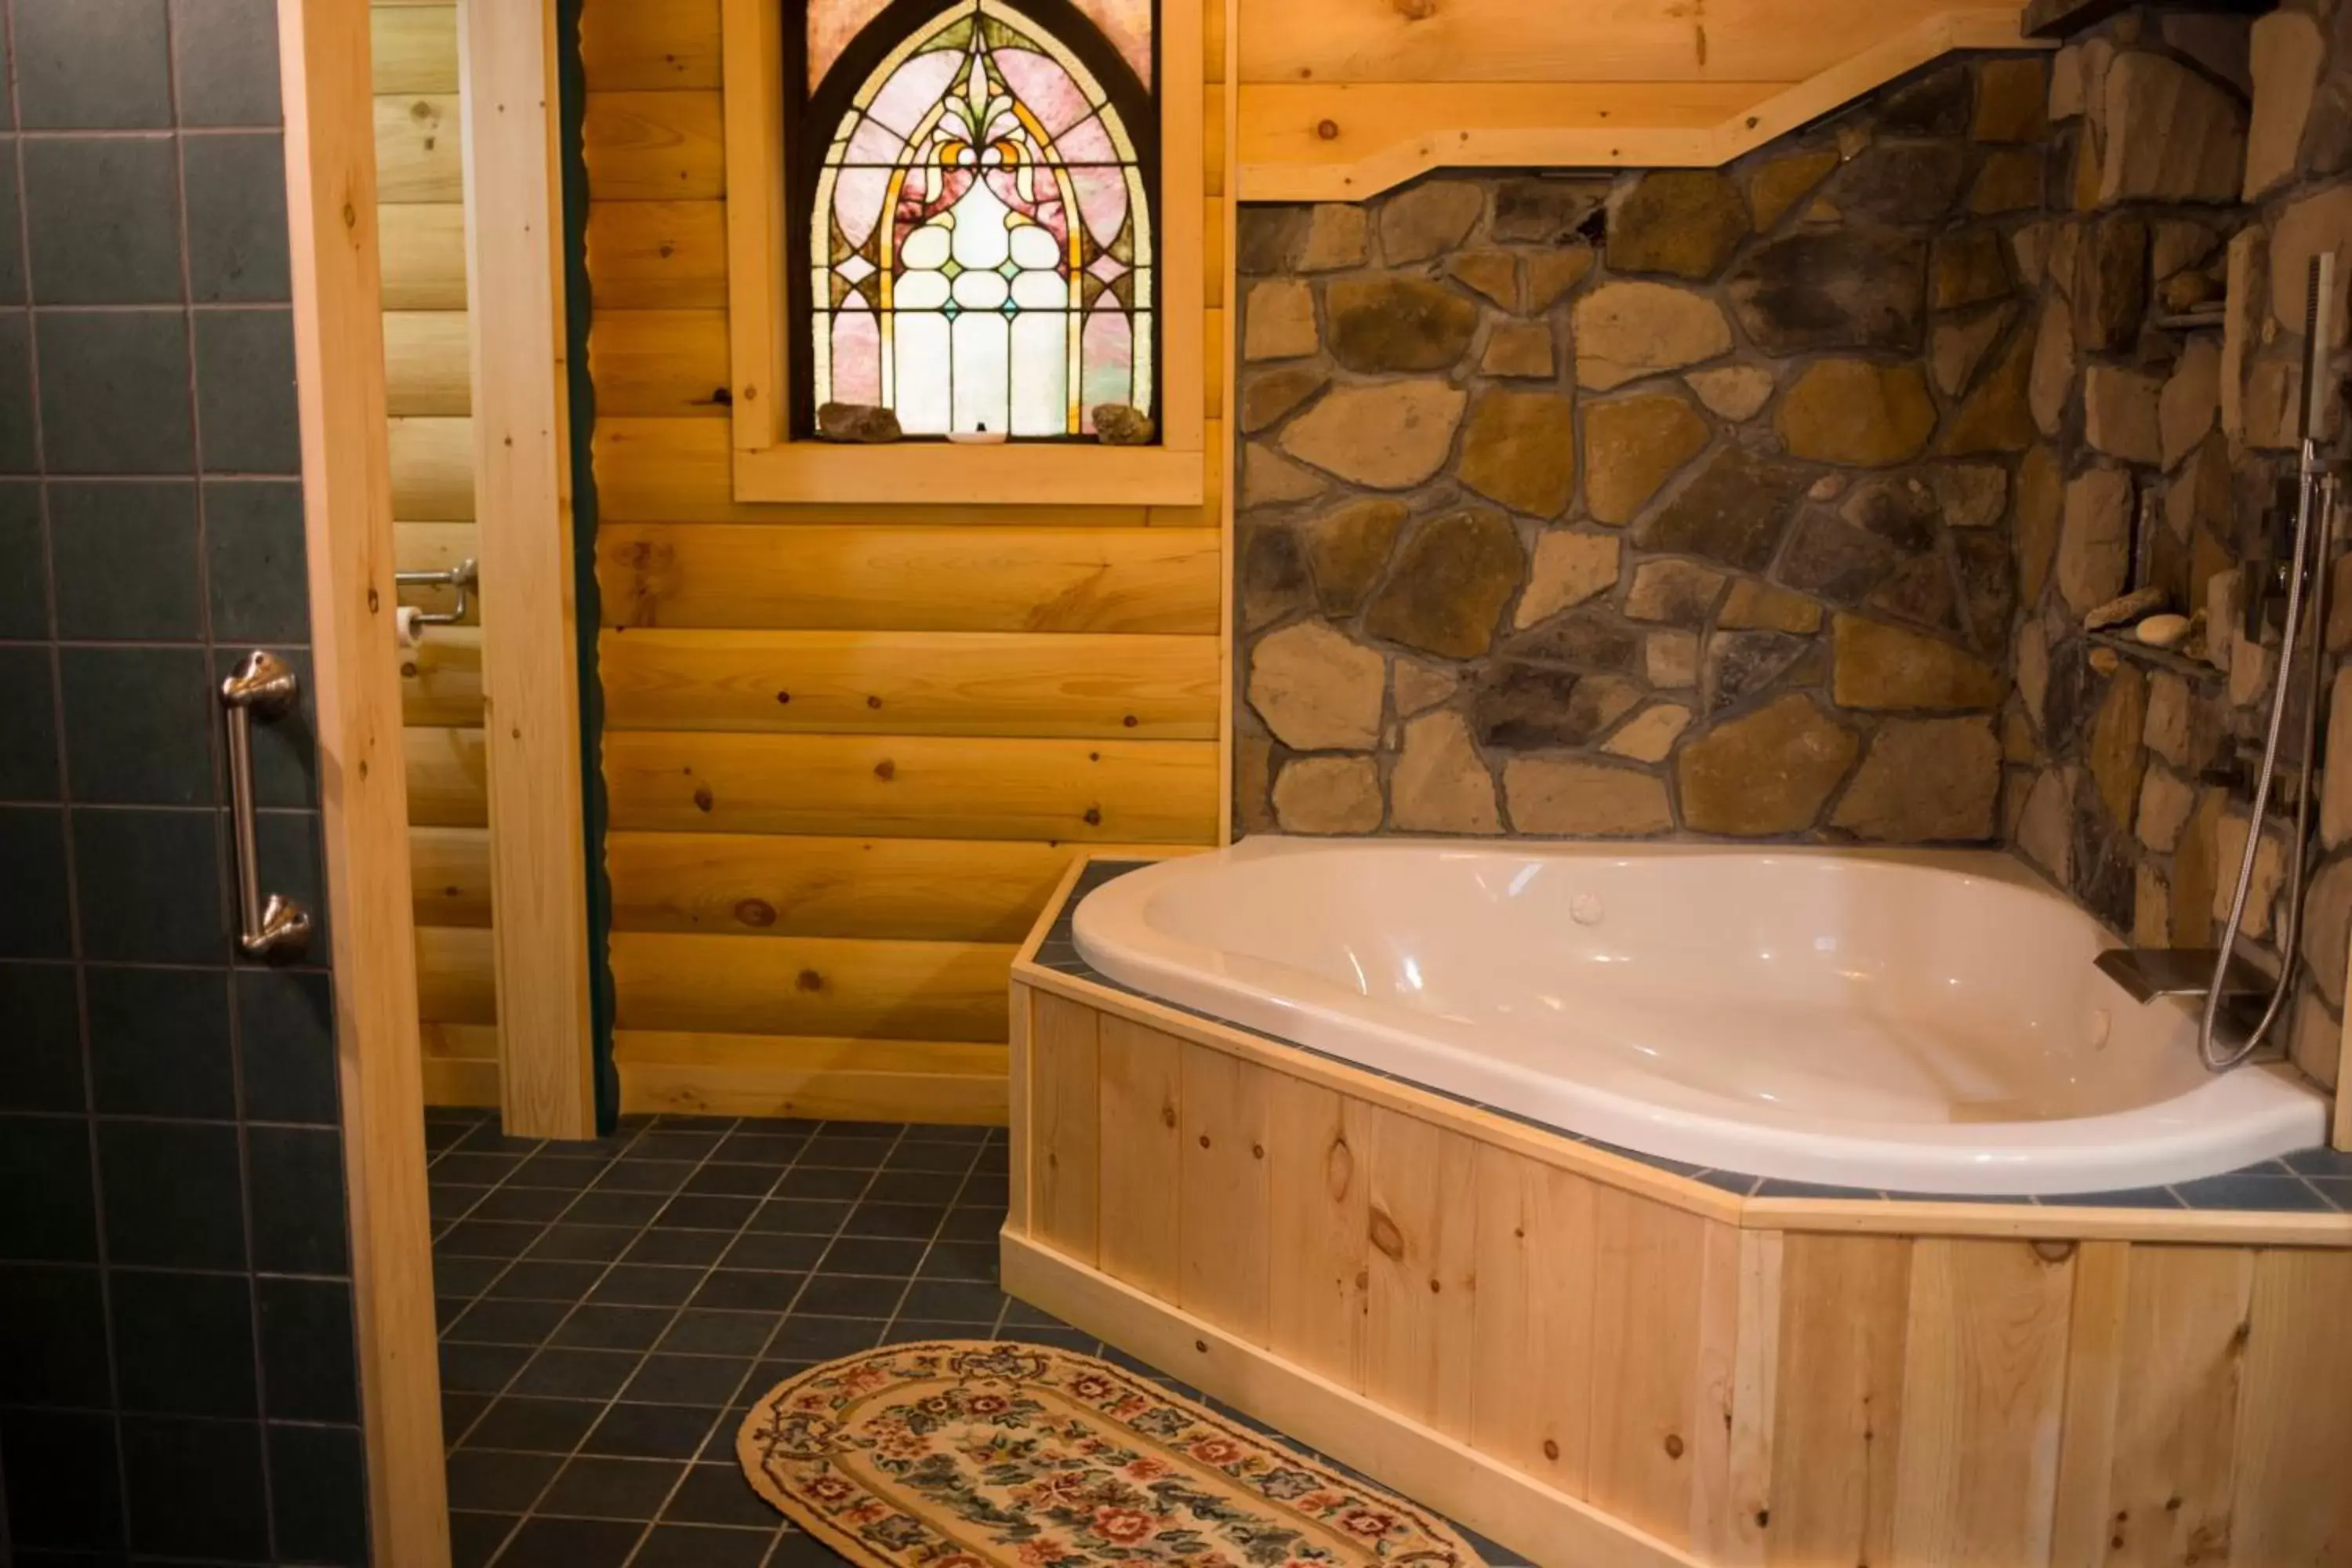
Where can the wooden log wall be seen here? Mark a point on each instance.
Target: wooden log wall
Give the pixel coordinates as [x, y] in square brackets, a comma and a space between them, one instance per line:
[1511, 1329]
[427, 384]
[847, 748]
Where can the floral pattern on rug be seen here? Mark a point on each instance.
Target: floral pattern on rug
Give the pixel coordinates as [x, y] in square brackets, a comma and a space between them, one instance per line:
[969, 1454]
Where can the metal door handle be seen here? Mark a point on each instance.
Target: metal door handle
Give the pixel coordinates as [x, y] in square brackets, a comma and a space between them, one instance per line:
[262, 686]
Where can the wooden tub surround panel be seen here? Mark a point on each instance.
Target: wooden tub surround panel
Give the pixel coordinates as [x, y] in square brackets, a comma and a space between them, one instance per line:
[1594, 1361]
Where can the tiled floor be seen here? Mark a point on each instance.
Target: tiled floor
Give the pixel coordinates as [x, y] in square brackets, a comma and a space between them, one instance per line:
[609, 1311]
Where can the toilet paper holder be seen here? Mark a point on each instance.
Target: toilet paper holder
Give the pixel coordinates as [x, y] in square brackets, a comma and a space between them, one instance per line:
[463, 577]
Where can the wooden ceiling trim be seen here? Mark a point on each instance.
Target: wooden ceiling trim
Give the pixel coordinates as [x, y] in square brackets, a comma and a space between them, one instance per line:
[1338, 141]
[1543, 40]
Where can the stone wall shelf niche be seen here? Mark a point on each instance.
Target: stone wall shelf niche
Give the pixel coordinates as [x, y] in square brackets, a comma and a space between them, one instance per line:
[2173, 660]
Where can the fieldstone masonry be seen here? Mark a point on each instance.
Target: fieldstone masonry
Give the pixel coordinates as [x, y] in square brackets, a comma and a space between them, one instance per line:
[1772, 502]
[2205, 157]
[1675, 504]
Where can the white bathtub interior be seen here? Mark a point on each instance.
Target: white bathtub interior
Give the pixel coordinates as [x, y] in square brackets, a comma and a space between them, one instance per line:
[1924, 1022]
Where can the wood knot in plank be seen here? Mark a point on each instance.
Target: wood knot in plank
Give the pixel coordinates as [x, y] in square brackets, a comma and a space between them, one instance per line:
[756, 912]
[703, 798]
[1385, 1236]
[1339, 1169]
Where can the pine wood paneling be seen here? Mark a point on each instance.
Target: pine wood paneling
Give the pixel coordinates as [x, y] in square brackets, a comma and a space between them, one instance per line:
[1649, 1293]
[749, 884]
[2293, 1443]
[433, 469]
[1536, 1251]
[1487, 41]
[450, 868]
[367, 922]
[1838, 1396]
[918, 683]
[1419, 1301]
[1317, 1230]
[441, 677]
[414, 48]
[1064, 1164]
[654, 146]
[1655, 1377]
[848, 1080]
[1514, 83]
[2168, 1496]
[1688, 1383]
[1222, 1222]
[810, 985]
[424, 257]
[821, 577]
[662, 364]
[648, 45]
[657, 255]
[1127, 792]
[857, 722]
[447, 778]
[453, 981]
[1984, 1379]
[1141, 1079]
[428, 382]
[426, 368]
[417, 151]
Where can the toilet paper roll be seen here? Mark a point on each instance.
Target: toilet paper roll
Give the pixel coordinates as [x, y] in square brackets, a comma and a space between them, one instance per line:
[408, 626]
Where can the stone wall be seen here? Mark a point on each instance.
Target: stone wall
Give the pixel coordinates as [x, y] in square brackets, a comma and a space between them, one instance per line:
[2207, 157]
[1677, 503]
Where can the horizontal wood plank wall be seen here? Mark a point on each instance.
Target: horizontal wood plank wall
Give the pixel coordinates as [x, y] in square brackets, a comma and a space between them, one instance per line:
[1742, 1396]
[848, 748]
[428, 394]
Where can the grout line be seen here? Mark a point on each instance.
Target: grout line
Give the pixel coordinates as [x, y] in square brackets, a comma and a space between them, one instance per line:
[946, 1213]
[727, 1408]
[528, 1511]
[75, 948]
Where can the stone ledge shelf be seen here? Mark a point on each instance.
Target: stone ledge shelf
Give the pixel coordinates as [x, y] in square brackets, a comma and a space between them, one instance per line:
[2155, 658]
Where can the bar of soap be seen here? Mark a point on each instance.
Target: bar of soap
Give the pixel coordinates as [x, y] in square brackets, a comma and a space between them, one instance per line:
[2163, 631]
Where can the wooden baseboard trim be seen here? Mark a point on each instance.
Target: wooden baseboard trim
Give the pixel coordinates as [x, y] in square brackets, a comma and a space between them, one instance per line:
[1550, 1527]
[831, 1080]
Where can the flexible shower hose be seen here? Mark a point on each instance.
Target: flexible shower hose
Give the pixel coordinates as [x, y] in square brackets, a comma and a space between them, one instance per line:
[2318, 497]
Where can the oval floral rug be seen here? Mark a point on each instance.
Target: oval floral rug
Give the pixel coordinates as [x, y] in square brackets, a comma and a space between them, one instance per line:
[977, 1454]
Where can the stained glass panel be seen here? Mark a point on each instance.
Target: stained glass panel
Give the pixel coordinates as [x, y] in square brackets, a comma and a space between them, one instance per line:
[980, 243]
[832, 24]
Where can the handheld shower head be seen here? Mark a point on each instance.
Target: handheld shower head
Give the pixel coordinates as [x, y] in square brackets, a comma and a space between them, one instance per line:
[2318, 329]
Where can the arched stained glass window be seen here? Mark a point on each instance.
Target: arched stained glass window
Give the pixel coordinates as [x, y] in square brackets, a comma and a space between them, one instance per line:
[980, 225]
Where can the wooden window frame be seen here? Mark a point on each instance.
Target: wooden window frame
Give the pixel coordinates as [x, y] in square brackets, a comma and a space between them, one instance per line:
[768, 465]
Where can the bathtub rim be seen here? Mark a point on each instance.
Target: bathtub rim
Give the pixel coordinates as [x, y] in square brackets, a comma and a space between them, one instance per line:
[2050, 1220]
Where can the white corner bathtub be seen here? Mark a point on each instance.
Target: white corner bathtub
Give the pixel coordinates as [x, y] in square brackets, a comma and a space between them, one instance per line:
[1912, 1022]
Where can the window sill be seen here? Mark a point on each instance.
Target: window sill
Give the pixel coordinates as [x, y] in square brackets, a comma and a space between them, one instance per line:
[911, 473]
